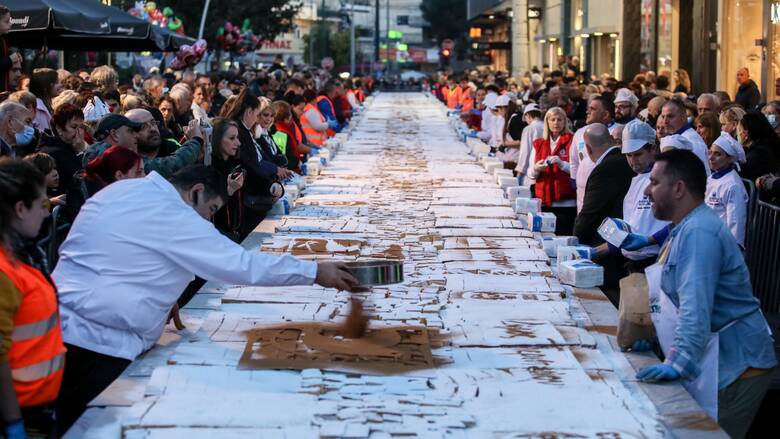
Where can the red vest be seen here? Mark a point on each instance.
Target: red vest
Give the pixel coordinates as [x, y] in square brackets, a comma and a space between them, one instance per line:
[554, 184]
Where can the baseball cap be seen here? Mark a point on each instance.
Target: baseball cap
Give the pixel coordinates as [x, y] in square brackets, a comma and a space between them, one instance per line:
[531, 107]
[502, 100]
[114, 121]
[636, 134]
[676, 141]
[626, 95]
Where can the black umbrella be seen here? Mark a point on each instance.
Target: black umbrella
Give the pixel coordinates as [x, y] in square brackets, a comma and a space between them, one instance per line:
[68, 30]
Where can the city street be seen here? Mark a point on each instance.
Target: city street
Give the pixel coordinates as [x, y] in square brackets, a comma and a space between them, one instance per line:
[480, 340]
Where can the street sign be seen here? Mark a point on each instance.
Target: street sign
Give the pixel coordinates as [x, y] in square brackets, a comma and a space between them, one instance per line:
[447, 44]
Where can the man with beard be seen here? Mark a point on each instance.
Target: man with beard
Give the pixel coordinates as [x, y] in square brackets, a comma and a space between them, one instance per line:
[625, 106]
[710, 327]
[149, 140]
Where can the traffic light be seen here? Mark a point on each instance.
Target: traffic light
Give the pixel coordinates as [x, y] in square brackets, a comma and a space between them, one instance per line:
[444, 56]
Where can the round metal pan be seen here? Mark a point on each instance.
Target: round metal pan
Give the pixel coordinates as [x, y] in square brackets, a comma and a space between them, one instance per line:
[377, 272]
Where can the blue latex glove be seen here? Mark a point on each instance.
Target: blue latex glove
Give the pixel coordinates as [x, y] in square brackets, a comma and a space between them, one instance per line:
[659, 372]
[334, 125]
[635, 242]
[586, 253]
[15, 430]
[472, 133]
[640, 346]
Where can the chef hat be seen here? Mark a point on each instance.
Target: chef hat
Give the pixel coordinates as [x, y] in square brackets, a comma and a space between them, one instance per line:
[676, 141]
[626, 95]
[730, 146]
[637, 134]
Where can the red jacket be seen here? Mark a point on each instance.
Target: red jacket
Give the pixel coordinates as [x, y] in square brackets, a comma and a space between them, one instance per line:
[553, 184]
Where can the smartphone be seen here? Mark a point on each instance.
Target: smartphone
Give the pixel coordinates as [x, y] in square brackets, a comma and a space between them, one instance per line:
[235, 172]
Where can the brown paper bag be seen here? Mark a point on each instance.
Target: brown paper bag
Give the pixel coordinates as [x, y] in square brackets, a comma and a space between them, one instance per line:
[634, 311]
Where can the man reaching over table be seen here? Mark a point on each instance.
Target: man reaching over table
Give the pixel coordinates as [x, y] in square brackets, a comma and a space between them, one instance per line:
[132, 249]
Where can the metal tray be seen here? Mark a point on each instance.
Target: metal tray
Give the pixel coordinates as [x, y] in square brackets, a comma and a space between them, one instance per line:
[377, 272]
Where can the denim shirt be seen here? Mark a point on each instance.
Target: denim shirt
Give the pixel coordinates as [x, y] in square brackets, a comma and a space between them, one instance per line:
[705, 276]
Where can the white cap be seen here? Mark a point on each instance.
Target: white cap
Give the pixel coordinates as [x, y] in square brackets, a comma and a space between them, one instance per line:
[503, 100]
[531, 107]
[626, 95]
[676, 141]
[730, 146]
[637, 134]
[490, 101]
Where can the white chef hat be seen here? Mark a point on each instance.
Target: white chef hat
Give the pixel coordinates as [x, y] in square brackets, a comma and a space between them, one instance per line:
[730, 146]
[676, 141]
[626, 95]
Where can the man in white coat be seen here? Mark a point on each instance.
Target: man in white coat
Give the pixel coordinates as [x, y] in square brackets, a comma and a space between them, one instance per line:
[674, 120]
[131, 251]
[535, 130]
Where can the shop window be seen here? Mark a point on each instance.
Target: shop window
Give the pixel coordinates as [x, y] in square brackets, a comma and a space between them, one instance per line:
[742, 26]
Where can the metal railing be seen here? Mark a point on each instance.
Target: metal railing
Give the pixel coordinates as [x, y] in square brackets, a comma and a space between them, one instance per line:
[57, 231]
[762, 250]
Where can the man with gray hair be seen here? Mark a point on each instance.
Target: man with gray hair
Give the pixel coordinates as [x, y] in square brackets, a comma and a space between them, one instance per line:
[182, 98]
[14, 118]
[708, 102]
[149, 142]
[604, 193]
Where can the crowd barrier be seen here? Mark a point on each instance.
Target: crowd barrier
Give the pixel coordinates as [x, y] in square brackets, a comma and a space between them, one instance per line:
[762, 250]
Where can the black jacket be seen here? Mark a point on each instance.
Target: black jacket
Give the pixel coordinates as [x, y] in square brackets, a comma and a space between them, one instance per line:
[228, 219]
[67, 160]
[748, 95]
[760, 159]
[260, 172]
[604, 193]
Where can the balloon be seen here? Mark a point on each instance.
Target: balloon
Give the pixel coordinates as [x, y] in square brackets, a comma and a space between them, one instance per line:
[167, 11]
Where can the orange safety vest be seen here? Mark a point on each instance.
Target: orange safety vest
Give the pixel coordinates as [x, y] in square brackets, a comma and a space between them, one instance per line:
[453, 99]
[361, 97]
[331, 133]
[37, 354]
[314, 136]
[466, 101]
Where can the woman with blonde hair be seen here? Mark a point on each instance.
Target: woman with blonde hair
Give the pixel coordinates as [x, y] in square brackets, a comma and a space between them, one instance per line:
[551, 171]
[683, 81]
[66, 97]
[730, 118]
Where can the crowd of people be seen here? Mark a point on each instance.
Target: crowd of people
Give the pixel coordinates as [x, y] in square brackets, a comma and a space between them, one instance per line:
[160, 177]
[668, 164]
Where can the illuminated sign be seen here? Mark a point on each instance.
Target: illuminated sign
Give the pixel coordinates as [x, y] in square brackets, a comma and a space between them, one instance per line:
[774, 13]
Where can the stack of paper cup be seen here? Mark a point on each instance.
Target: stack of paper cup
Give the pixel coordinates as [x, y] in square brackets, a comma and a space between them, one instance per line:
[581, 273]
[541, 222]
[515, 192]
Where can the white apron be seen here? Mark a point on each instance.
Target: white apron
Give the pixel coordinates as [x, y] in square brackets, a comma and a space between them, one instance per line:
[703, 388]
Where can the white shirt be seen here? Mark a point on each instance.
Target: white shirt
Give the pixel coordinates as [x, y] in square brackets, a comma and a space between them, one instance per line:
[728, 198]
[496, 131]
[527, 154]
[131, 252]
[486, 127]
[699, 147]
[199, 113]
[638, 213]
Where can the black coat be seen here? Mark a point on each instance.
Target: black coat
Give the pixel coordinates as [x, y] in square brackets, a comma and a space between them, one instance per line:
[604, 193]
[760, 159]
[67, 160]
[260, 171]
[228, 219]
[748, 95]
